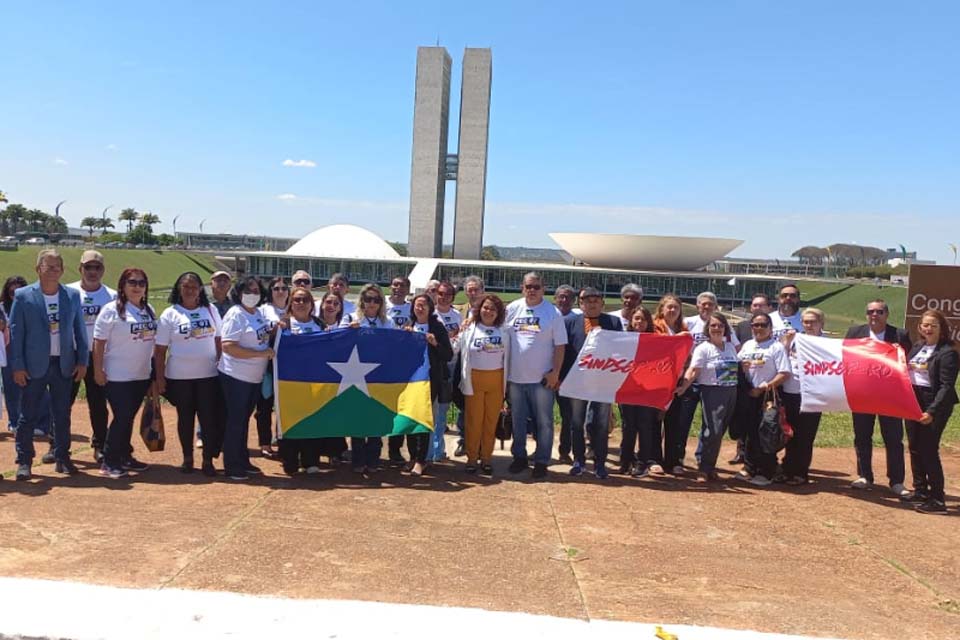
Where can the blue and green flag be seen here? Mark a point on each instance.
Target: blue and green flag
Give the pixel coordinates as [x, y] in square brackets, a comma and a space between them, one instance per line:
[352, 382]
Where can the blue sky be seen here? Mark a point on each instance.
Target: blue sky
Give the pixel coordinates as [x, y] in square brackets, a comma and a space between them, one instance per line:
[783, 124]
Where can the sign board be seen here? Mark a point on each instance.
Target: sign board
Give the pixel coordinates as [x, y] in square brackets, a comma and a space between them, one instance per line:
[935, 287]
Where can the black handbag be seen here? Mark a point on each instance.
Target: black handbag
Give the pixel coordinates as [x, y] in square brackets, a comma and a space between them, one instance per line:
[774, 431]
[504, 430]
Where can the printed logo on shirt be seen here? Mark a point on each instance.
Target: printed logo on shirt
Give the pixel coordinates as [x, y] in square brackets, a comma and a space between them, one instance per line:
[143, 331]
[755, 359]
[920, 362]
[726, 372]
[53, 317]
[487, 344]
[89, 309]
[302, 329]
[396, 314]
[196, 328]
[530, 324]
[263, 333]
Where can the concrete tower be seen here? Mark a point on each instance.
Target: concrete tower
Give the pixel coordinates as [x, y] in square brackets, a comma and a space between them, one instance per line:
[431, 114]
[472, 153]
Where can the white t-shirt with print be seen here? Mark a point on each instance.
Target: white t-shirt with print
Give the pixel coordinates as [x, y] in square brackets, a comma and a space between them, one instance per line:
[190, 337]
[272, 313]
[695, 326]
[919, 371]
[486, 348]
[716, 367]
[451, 321]
[248, 330]
[764, 360]
[300, 328]
[536, 331]
[52, 303]
[129, 342]
[91, 302]
[365, 322]
[781, 324]
[399, 314]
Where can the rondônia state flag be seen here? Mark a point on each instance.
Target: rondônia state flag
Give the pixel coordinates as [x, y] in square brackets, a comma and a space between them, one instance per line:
[628, 368]
[862, 375]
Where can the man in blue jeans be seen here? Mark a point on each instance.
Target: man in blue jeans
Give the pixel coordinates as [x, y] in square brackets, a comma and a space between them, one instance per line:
[48, 351]
[538, 337]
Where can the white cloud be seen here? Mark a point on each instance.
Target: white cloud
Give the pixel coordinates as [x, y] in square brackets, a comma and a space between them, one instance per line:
[112, 147]
[309, 164]
[286, 196]
[60, 162]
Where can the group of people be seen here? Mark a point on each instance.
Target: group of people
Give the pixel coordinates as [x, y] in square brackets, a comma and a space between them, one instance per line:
[208, 354]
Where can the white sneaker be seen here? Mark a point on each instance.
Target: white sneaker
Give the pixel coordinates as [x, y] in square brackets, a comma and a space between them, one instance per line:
[313, 470]
[744, 475]
[899, 490]
[760, 481]
[199, 443]
[861, 483]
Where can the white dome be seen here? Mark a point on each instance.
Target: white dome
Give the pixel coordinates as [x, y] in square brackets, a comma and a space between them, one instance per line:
[343, 241]
[626, 251]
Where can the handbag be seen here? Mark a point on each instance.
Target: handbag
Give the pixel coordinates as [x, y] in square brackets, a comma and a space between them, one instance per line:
[775, 431]
[151, 424]
[504, 429]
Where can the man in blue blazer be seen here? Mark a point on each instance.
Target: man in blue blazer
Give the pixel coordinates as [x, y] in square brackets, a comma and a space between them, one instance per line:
[595, 416]
[48, 350]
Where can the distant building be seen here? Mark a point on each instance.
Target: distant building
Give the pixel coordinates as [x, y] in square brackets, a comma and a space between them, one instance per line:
[230, 241]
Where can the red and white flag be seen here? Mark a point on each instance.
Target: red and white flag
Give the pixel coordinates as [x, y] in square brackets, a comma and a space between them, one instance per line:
[862, 376]
[628, 367]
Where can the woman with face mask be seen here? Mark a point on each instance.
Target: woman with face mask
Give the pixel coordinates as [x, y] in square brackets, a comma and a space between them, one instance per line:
[245, 337]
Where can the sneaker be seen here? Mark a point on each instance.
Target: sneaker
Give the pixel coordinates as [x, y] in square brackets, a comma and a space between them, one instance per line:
[601, 472]
[624, 469]
[208, 469]
[132, 464]
[254, 471]
[899, 490]
[471, 469]
[639, 470]
[655, 469]
[48, 457]
[199, 444]
[461, 450]
[932, 506]
[796, 481]
[98, 455]
[23, 472]
[238, 475]
[113, 474]
[565, 458]
[486, 469]
[760, 481]
[518, 465]
[539, 471]
[577, 469]
[860, 483]
[678, 470]
[779, 478]
[66, 467]
[744, 475]
[313, 470]
[915, 496]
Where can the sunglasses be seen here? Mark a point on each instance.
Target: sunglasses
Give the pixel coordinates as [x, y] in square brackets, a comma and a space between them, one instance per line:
[300, 301]
[137, 283]
[302, 282]
[533, 287]
[93, 266]
[875, 312]
[371, 299]
[281, 288]
[789, 295]
[759, 325]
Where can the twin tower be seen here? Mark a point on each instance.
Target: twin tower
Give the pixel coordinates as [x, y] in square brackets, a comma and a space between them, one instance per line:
[432, 166]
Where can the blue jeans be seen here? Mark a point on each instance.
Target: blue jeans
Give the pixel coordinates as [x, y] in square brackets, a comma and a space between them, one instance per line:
[31, 408]
[240, 398]
[595, 416]
[532, 401]
[11, 398]
[438, 448]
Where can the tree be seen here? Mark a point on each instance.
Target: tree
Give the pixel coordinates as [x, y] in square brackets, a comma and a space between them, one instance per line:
[103, 224]
[165, 240]
[90, 223]
[36, 219]
[399, 247]
[141, 234]
[3, 197]
[55, 225]
[129, 216]
[16, 215]
[489, 253]
[149, 219]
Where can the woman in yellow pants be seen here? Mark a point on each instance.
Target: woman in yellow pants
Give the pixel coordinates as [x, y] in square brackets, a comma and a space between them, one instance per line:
[485, 354]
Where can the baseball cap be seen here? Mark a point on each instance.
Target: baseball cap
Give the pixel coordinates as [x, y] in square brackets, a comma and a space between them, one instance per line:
[91, 256]
[217, 274]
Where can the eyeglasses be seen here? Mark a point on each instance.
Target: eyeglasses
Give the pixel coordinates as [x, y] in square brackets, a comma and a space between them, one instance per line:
[302, 282]
[280, 288]
[371, 299]
[876, 312]
[533, 287]
[93, 266]
[137, 283]
[759, 325]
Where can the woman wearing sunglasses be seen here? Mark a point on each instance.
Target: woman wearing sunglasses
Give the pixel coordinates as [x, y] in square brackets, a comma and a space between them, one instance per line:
[766, 366]
[123, 339]
[275, 308]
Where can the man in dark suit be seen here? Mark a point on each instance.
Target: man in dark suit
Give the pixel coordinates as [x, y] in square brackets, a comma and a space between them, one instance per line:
[595, 416]
[48, 351]
[890, 428]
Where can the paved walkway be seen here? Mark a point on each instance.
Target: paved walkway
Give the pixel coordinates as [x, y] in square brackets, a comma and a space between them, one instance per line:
[818, 560]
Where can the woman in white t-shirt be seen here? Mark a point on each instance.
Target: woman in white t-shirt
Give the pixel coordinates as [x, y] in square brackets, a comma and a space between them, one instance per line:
[713, 367]
[484, 358]
[123, 339]
[766, 366]
[799, 451]
[245, 339]
[185, 360]
[678, 418]
[275, 307]
[452, 321]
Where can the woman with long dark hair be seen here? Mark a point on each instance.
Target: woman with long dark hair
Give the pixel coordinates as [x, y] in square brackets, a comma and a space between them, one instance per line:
[439, 352]
[185, 361]
[11, 392]
[668, 321]
[799, 450]
[274, 309]
[640, 448]
[245, 341]
[933, 365]
[123, 341]
[330, 313]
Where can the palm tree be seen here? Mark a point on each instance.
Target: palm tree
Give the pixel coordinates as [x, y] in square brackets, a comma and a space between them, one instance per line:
[36, 219]
[104, 223]
[129, 216]
[90, 223]
[55, 225]
[16, 214]
[148, 219]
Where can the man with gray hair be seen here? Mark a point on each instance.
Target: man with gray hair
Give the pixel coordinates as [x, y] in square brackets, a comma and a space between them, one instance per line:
[706, 304]
[631, 295]
[563, 298]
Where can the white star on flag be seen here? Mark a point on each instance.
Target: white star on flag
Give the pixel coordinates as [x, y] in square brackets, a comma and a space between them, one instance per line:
[354, 373]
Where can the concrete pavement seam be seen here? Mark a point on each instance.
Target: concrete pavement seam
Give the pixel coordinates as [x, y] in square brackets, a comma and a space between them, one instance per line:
[563, 545]
[229, 529]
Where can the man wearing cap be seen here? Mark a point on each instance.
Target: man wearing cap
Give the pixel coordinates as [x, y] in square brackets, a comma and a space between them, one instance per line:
[220, 289]
[94, 295]
[594, 416]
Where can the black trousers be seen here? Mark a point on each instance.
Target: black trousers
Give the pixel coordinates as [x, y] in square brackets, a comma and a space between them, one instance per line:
[395, 447]
[799, 450]
[264, 416]
[566, 442]
[201, 398]
[417, 445]
[641, 430]
[676, 426]
[758, 461]
[924, 443]
[297, 454]
[891, 429]
[96, 405]
[125, 399]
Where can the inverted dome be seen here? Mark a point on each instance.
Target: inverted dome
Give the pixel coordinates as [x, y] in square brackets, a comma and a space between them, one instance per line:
[343, 241]
[627, 251]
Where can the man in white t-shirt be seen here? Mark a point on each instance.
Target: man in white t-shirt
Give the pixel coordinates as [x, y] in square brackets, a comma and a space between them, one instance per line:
[786, 319]
[706, 305]
[398, 309]
[537, 342]
[94, 295]
[631, 297]
[339, 283]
